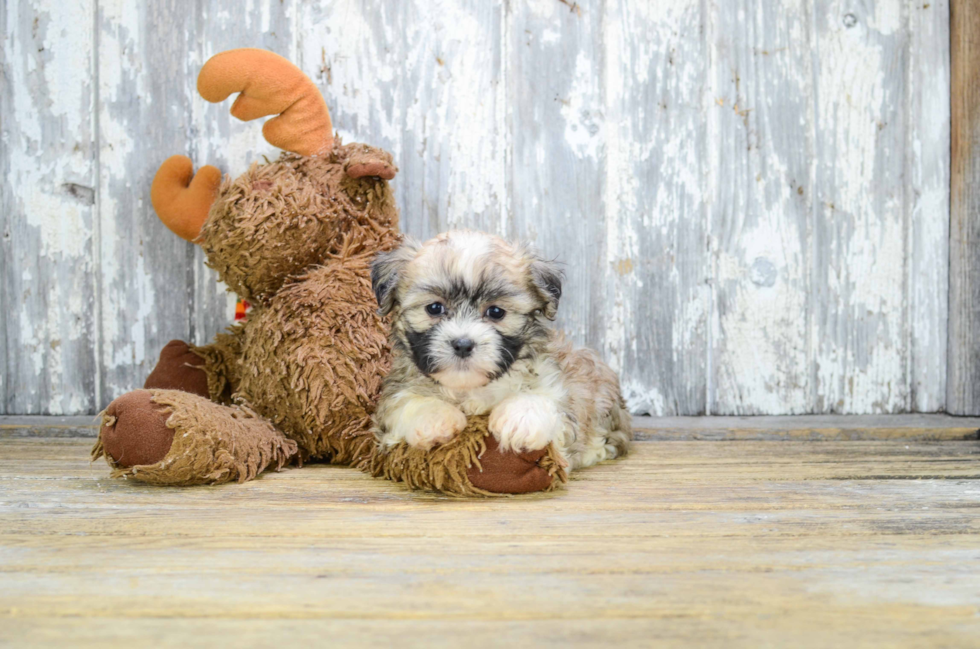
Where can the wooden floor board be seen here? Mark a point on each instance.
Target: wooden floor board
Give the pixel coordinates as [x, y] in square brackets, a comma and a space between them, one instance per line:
[750, 543]
[794, 427]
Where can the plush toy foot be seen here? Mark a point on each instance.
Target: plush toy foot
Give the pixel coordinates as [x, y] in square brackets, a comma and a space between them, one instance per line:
[179, 369]
[470, 464]
[507, 472]
[134, 430]
[169, 437]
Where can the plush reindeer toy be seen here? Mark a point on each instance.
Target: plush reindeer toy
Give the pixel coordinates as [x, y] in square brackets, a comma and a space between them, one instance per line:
[298, 380]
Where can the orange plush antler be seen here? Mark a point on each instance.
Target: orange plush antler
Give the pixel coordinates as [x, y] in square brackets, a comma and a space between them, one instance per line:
[183, 203]
[270, 85]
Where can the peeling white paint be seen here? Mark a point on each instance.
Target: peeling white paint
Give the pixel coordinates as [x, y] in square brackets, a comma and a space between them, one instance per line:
[643, 399]
[752, 206]
[423, 86]
[859, 332]
[47, 212]
[583, 125]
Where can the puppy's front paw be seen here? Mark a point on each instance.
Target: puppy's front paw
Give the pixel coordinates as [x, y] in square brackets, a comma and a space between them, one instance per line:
[525, 423]
[426, 422]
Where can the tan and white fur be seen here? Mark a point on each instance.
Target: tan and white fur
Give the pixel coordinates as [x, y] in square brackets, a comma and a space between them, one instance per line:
[469, 337]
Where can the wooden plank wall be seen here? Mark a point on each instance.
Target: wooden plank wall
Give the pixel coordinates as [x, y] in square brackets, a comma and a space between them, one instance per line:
[751, 198]
[963, 387]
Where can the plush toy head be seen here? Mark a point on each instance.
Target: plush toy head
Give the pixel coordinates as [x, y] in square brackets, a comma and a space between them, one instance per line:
[275, 220]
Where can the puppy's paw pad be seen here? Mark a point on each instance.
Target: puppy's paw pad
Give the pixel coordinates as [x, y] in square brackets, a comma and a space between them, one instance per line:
[433, 423]
[525, 423]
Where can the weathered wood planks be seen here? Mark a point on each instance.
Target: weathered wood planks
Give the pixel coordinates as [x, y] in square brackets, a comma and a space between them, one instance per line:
[927, 206]
[654, 302]
[963, 390]
[751, 199]
[858, 272]
[812, 428]
[422, 80]
[48, 210]
[144, 78]
[682, 543]
[761, 121]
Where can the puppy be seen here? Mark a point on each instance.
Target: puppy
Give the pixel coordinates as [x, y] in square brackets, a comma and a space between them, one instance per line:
[469, 337]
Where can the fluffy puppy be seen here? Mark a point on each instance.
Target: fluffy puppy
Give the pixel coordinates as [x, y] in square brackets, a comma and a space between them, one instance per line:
[469, 337]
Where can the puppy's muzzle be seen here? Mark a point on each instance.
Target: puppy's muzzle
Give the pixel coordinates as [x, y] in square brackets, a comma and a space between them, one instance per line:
[463, 347]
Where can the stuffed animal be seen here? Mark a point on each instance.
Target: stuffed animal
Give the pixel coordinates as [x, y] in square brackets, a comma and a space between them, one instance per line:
[298, 379]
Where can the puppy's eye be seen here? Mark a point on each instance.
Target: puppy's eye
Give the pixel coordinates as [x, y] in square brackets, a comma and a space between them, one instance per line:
[495, 313]
[436, 308]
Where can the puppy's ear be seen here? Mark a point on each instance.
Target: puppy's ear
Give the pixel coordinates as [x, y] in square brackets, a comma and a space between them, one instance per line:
[546, 277]
[386, 270]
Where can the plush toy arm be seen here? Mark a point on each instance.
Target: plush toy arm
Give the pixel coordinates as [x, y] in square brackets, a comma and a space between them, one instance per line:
[471, 464]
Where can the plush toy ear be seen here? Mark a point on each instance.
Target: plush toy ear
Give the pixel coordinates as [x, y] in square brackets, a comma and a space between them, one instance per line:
[387, 270]
[182, 199]
[366, 161]
[547, 276]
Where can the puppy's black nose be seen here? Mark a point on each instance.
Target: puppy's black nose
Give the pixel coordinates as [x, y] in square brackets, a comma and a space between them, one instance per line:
[463, 346]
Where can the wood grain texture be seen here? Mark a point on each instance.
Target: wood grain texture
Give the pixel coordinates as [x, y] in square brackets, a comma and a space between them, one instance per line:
[555, 124]
[927, 205]
[760, 123]
[424, 81]
[963, 387]
[48, 262]
[812, 428]
[687, 543]
[652, 309]
[750, 198]
[714, 428]
[859, 236]
[145, 297]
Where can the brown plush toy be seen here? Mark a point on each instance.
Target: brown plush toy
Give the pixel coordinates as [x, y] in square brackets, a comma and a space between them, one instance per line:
[299, 379]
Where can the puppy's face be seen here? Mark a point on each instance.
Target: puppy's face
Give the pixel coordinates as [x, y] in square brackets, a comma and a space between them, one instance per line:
[465, 305]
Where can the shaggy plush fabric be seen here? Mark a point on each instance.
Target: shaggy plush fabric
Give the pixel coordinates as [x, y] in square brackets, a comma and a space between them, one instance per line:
[179, 439]
[312, 361]
[212, 443]
[278, 219]
[219, 361]
[134, 431]
[451, 467]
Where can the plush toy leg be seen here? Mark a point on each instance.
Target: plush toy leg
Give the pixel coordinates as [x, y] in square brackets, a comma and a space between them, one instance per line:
[220, 363]
[210, 371]
[179, 369]
[470, 465]
[168, 437]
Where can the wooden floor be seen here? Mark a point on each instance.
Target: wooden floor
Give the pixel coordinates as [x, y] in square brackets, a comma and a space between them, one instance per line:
[707, 543]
